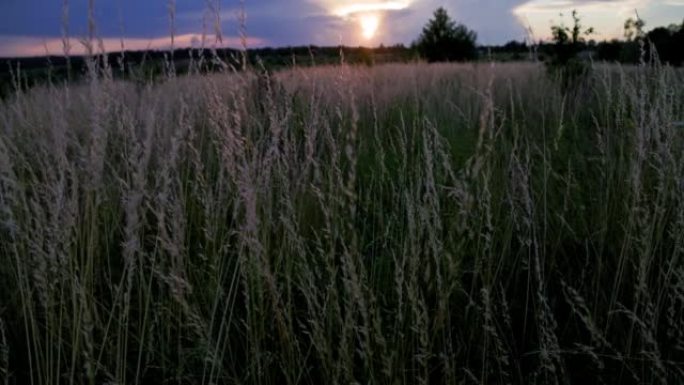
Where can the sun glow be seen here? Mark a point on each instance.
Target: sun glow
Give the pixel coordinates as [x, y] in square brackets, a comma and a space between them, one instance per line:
[369, 15]
[369, 25]
[370, 7]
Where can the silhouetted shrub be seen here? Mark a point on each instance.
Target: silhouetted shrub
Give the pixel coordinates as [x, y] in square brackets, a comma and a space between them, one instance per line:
[565, 62]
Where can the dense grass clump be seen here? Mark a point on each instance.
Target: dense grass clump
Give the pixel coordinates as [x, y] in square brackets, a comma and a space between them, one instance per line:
[396, 224]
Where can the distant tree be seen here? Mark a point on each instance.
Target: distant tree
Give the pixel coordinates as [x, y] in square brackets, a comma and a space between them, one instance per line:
[666, 44]
[678, 38]
[568, 42]
[661, 43]
[515, 46]
[632, 48]
[443, 39]
[634, 29]
[609, 51]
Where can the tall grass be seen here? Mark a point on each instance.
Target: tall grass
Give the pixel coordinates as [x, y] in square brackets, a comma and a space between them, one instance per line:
[395, 224]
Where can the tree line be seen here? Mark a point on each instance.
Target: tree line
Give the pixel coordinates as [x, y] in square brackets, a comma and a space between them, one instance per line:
[442, 39]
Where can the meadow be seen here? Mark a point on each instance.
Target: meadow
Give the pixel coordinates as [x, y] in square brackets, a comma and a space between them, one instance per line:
[393, 224]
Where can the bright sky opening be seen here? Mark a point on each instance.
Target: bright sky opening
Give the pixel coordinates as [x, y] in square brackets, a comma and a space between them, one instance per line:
[365, 7]
[369, 25]
[367, 14]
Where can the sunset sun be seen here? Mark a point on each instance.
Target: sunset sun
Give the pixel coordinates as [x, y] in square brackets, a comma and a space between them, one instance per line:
[369, 25]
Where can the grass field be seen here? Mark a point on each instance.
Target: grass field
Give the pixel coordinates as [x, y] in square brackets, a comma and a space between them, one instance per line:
[395, 224]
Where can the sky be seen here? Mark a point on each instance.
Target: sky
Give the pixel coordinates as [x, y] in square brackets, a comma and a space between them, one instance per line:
[37, 27]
